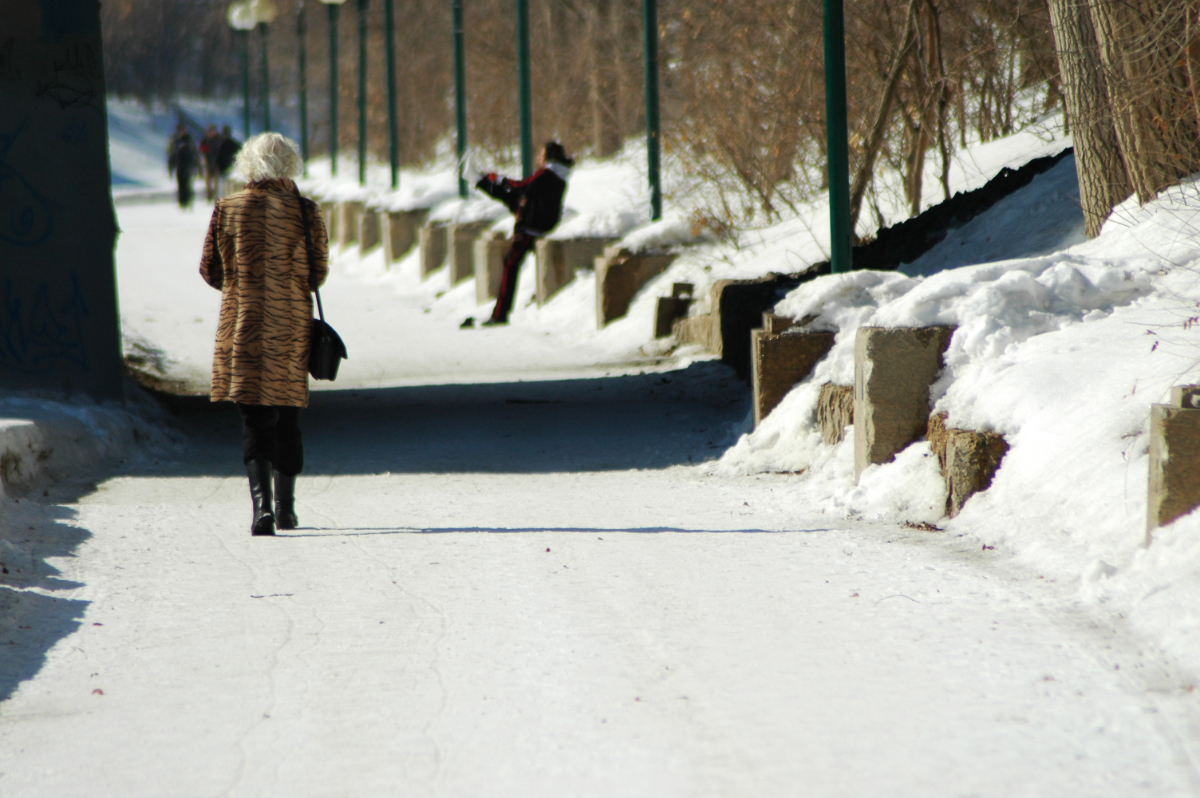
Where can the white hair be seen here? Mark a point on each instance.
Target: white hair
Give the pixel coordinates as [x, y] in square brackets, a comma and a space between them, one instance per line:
[268, 156]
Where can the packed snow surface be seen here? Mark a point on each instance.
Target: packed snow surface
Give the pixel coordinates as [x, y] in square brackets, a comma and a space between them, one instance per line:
[549, 559]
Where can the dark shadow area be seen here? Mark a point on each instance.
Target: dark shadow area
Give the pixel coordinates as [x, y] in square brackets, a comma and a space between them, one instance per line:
[31, 623]
[642, 421]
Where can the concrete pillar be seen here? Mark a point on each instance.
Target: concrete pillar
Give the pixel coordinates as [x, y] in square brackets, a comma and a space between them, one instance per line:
[489, 265]
[893, 369]
[460, 249]
[329, 215]
[59, 323]
[1174, 458]
[348, 213]
[368, 230]
[671, 308]
[432, 240]
[400, 232]
[968, 460]
[620, 274]
[558, 261]
[779, 361]
[835, 412]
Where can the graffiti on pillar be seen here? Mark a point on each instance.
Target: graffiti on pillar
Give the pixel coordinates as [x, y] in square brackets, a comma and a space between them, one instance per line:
[42, 329]
[72, 82]
[25, 216]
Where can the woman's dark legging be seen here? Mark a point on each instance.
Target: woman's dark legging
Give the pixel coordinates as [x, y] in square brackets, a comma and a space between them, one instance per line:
[273, 434]
[521, 244]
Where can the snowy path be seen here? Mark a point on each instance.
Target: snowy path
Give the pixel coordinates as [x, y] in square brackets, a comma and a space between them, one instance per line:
[525, 590]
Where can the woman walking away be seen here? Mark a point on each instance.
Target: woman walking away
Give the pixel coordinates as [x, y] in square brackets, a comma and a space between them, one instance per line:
[537, 203]
[266, 251]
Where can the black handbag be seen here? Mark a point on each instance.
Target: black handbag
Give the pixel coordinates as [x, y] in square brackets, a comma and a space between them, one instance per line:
[326, 349]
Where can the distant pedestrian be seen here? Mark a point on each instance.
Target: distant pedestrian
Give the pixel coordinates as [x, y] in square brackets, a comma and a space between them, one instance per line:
[537, 203]
[210, 145]
[182, 160]
[226, 154]
[258, 254]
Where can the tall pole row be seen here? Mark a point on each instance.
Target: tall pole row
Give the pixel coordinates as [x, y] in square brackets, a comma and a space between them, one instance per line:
[244, 36]
[265, 92]
[301, 34]
[393, 131]
[526, 102]
[653, 131]
[362, 91]
[333, 87]
[460, 94]
[836, 136]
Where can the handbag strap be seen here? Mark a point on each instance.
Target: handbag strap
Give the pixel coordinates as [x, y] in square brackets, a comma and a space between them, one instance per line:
[308, 245]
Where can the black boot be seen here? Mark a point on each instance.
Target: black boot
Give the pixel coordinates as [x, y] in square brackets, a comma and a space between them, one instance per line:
[285, 501]
[260, 493]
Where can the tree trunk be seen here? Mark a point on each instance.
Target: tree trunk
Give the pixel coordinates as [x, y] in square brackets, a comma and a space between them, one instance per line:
[606, 135]
[866, 167]
[937, 61]
[1103, 179]
[1144, 54]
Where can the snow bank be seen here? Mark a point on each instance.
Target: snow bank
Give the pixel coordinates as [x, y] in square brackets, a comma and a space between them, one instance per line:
[43, 438]
[1062, 354]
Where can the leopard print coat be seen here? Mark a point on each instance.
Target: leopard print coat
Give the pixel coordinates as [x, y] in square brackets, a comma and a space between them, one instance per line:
[256, 256]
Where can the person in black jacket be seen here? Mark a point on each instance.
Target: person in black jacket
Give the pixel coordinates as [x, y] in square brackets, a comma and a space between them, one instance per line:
[182, 160]
[537, 203]
[227, 153]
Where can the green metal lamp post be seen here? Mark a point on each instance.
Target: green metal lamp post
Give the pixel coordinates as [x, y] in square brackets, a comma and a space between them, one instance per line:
[302, 57]
[653, 130]
[393, 131]
[334, 6]
[836, 137]
[524, 99]
[362, 91]
[241, 18]
[460, 94]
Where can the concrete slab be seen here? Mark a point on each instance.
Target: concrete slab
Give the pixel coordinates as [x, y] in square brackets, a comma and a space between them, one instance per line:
[968, 460]
[369, 230]
[348, 213]
[400, 232]
[779, 361]
[559, 260]
[1174, 459]
[835, 412]
[460, 249]
[330, 216]
[432, 240]
[489, 265]
[893, 369]
[620, 274]
[698, 330]
[672, 308]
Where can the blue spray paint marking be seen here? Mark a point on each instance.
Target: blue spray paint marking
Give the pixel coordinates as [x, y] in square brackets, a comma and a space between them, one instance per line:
[25, 216]
[36, 336]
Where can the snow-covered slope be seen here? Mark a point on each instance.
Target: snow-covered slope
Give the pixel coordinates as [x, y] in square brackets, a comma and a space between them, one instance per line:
[1063, 354]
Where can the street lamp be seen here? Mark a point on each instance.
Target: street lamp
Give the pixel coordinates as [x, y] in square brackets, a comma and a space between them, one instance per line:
[362, 91]
[334, 8]
[241, 19]
[302, 58]
[264, 14]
